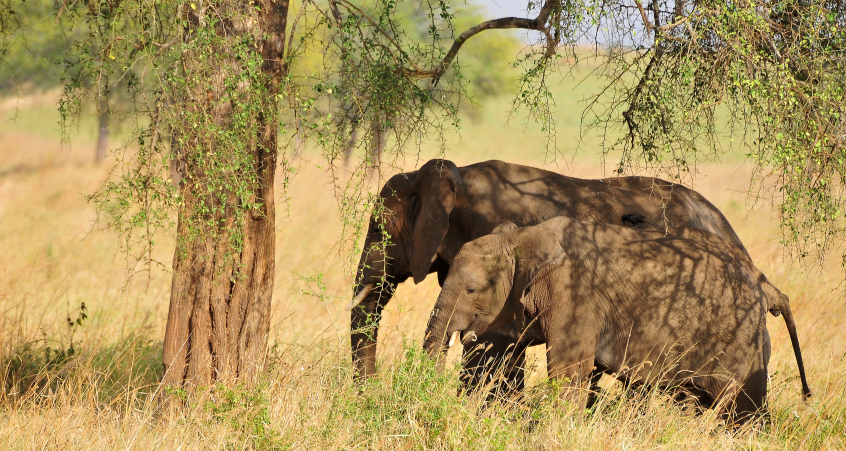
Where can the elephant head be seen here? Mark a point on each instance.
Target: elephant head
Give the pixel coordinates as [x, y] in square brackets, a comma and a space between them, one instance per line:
[406, 230]
[402, 241]
[485, 287]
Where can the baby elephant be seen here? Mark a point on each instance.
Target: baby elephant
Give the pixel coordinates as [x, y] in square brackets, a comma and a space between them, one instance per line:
[686, 310]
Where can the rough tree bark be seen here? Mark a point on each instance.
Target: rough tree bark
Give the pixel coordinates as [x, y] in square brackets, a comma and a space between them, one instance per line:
[219, 315]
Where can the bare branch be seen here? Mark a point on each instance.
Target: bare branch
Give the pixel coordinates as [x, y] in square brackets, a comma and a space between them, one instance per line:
[539, 24]
[294, 29]
[333, 6]
[166, 45]
[646, 21]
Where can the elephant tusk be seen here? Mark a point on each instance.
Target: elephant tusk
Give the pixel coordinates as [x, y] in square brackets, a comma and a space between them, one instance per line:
[361, 295]
[454, 337]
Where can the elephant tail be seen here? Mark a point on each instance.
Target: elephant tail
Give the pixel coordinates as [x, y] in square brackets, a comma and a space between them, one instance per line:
[782, 307]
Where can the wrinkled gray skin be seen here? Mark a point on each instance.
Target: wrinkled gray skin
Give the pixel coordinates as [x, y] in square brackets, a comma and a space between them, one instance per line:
[686, 309]
[430, 213]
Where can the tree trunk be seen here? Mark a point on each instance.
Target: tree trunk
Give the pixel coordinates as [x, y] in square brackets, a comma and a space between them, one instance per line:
[219, 315]
[103, 135]
[380, 137]
[177, 165]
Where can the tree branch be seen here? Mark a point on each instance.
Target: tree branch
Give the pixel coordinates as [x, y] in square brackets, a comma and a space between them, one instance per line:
[333, 6]
[662, 29]
[646, 21]
[539, 24]
[635, 97]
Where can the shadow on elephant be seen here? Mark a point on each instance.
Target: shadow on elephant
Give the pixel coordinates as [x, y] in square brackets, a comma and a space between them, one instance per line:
[424, 218]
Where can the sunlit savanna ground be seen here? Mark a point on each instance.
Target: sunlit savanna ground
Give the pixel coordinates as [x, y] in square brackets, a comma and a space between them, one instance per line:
[100, 397]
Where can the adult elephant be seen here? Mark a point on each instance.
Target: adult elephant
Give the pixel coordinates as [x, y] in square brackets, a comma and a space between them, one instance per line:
[427, 215]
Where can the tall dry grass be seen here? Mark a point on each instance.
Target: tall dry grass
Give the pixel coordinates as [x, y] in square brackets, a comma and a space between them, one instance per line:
[101, 394]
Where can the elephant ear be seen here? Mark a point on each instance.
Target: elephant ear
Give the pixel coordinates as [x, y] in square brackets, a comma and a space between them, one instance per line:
[531, 266]
[437, 185]
[505, 227]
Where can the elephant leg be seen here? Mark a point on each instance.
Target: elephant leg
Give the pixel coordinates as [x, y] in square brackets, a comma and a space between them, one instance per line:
[570, 357]
[749, 403]
[364, 330]
[574, 368]
[497, 358]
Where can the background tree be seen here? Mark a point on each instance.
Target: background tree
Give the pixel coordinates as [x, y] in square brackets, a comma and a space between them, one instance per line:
[37, 54]
[31, 43]
[213, 84]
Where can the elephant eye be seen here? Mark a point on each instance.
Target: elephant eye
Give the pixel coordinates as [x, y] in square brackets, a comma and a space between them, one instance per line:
[471, 290]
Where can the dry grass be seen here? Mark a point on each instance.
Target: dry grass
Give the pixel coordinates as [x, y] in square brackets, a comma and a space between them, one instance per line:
[100, 397]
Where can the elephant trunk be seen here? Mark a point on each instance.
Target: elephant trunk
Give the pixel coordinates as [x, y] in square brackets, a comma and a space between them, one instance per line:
[365, 315]
[444, 326]
[435, 342]
[371, 293]
[373, 289]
